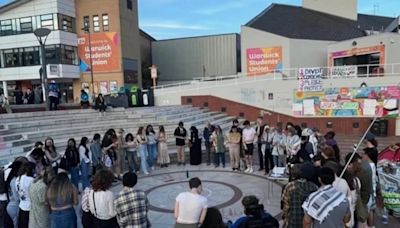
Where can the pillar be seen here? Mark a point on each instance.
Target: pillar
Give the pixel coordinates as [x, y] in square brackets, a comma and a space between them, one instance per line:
[5, 89]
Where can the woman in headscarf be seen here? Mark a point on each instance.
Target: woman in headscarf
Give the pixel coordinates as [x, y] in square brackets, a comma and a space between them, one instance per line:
[195, 146]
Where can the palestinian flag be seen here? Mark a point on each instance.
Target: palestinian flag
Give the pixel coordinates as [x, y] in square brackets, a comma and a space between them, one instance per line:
[390, 112]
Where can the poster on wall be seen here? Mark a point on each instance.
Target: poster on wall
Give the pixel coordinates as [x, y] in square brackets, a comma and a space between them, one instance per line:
[310, 79]
[349, 101]
[343, 71]
[263, 60]
[105, 52]
[104, 87]
[113, 87]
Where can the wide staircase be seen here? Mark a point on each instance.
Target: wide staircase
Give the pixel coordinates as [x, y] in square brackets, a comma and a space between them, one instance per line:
[19, 131]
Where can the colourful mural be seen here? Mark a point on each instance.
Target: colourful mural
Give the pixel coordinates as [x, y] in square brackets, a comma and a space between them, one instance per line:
[340, 102]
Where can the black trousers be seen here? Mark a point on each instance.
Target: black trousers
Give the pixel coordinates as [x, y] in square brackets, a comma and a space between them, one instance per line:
[269, 161]
[111, 223]
[260, 156]
[23, 219]
[53, 103]
[208, 151]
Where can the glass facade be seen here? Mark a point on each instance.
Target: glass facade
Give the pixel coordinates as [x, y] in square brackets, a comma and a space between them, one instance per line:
[24, 25]
[105, 22]
[30, 56]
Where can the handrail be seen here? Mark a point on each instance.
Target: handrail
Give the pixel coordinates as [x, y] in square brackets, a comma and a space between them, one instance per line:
[365, 70]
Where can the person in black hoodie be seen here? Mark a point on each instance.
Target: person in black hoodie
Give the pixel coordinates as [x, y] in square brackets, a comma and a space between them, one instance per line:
[72, 157]
[195, 146]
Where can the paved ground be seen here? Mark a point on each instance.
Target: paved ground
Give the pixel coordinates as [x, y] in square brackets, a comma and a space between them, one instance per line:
[222, 187]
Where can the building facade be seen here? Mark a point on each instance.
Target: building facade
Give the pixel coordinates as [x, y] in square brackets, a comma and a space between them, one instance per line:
[20, 51]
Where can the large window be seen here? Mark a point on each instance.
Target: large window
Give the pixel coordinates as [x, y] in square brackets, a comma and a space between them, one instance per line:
[25, 25]
[6, 27]
[30, 56]
[67, 23]
[46, 21]
[129, 4]
[96, 23]
[69, 55]
[11, 58]
[105, 23]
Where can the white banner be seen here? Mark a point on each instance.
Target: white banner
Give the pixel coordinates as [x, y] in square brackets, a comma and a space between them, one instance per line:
[310, 79]
[344, 71]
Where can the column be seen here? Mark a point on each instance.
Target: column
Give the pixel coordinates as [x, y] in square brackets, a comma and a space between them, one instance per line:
[5, 89]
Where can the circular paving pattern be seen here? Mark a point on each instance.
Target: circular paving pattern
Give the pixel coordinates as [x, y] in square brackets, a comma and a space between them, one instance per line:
[219, 194]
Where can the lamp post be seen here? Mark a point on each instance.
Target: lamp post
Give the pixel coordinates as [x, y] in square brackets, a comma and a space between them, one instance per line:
[41, 35]
[86, 29]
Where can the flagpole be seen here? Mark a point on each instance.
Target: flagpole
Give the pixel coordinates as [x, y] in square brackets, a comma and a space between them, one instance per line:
[358, 145]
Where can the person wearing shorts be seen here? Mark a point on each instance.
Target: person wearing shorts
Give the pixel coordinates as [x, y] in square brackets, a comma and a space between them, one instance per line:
[248, 135]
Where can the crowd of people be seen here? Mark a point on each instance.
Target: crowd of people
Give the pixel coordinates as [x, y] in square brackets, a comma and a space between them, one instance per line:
[42, 188]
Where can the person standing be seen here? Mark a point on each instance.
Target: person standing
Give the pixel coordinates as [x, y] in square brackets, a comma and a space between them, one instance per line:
[259, 132]
[131, 153]
[84, 99]
[53, 95]
[191, 207]
[95, 148]
[292, 145]
[101, 104]
[108, 145]
[62, 196]
[22, 184]
[85, 161]
[101, 200]
[12, 193]
[266, 148]
[151, 146]
[163, 156]
[242, 165]
[73, 160]
[52, 157]
[331, 141]
[219, 146]
[249, 135]
[327, 207]
[195, 146]
[206, 135]
[39, 214]
[234, 147]
[142, 141]
[180, 134]
[131, 205]
[278, 148]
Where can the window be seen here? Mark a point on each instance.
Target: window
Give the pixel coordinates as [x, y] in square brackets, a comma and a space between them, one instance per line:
[11, 58]
[129, 4]
[6, 27]
[26, 25]
[67, 23]
[105, 22]
[52, 54]
[69, 55]
[96, 24]
[30, 56]
[86, 22]
[46, 21]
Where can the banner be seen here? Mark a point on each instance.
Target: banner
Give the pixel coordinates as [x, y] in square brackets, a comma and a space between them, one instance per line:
[348, 101]
[380, 49]
[263, 60]
[105, 52]
[343, 71]
[310, 79]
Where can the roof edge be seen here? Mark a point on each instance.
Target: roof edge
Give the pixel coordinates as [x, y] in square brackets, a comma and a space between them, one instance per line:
[203, 36]
[147, 35]
[12, 5]
[248, 24]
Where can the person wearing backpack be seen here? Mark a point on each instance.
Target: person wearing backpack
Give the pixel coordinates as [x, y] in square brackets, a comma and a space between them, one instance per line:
[255, 215]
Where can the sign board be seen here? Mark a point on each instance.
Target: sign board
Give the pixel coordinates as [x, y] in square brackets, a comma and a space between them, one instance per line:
[261, 61]
[310, 79]
[53, 70]
[343, 71]
[104, 51]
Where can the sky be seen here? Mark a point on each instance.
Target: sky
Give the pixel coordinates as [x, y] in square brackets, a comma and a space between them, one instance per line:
[166, 19]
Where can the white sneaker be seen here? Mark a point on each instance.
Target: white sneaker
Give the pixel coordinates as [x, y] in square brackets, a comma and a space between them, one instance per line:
[251, 170]
[247, 170]
[146, 173]
[152, 168]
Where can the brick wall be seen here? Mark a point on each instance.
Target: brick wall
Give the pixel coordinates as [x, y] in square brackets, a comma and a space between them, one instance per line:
[348, 126]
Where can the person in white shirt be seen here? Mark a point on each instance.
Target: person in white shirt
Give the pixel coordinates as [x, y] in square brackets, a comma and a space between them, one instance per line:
[191, 207]
[85, 161]
[22, 184]
[340, 184]
[101, 199]
[248, 135]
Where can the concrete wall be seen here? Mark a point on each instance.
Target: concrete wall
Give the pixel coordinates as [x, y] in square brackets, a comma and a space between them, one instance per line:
[145, 48]
[308, 53]
[342, 8]
[183, 59]
[130, 38]
[254, 38]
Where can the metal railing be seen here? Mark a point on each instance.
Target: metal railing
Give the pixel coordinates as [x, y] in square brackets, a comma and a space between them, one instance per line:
[336, 72]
